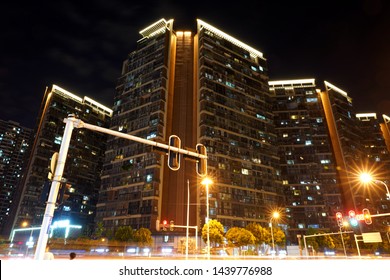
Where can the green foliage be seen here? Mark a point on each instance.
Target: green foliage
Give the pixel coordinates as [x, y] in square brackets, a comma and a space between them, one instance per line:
[279, 236]
[239, 237]
[261, 234]
[216, 232]
[99, 230]
[143, 237]
[124, 233]
[322, 242]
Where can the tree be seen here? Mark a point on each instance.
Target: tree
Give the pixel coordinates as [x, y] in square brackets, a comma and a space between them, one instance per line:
[321, 242]
[279, 236]
[99, 230]
[239, 237]
[216, 232]
[143, 237]
[261, 234]
[124, 233]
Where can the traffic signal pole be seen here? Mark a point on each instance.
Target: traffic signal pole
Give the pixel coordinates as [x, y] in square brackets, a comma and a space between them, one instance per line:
[166, 147]
[71, 123]
[55, 185]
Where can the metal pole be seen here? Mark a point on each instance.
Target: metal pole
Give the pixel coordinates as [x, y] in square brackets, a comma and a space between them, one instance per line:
[357, 245]
[304, 242]
[51, 202]
[208, 225]
[196, 239]
[272, 237]
[342, 241]
[81, 124]
[387, 189]
[188, 215]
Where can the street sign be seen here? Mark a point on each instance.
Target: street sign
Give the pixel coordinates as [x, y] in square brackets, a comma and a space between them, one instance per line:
[372, 237]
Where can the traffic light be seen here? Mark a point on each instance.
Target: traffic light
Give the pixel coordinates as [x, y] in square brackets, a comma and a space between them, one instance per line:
[171, 225]
[53, 166]
[165, 224]
[352, 218]
[367, 216]
[339, 217]
[201, 164]
[63, 192]
[173, 156]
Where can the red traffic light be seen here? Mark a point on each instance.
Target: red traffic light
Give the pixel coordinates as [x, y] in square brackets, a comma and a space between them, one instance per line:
[339, 217]
[351, 214]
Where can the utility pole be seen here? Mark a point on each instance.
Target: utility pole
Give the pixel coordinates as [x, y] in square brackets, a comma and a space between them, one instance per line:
[71, 123]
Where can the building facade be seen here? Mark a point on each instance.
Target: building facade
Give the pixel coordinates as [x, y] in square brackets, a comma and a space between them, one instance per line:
[15, 143]
[376, 193]
[306, 158]
[206, 88]
[347, 144]
[83, 166]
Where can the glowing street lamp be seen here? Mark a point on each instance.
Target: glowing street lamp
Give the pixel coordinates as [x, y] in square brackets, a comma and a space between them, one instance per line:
[275, 215]
[206, 182]
[367, 178]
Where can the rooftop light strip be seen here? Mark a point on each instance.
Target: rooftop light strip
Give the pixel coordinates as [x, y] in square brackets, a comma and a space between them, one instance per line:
[156, 28]
[63, 92]
[100, 106]
[252, 51]
[366, 115]
[327, 84]
[297, 82]
[386, 118]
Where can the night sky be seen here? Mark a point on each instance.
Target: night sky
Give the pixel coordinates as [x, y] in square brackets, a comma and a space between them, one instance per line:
[80, 45]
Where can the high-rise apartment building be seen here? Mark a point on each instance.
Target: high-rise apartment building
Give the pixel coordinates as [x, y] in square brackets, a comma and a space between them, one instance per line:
[377, 164]
[14, 149]
[83, 166]
[207, 88]
[308, 168]
[347, 144]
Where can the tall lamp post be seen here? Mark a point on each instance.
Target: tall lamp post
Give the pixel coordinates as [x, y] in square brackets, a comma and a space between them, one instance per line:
[275, 215]
[206, 182]
[367, 178]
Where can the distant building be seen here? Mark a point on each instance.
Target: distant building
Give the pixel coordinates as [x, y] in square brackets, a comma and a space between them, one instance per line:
[308, 168]
[207, 88]
[83, 166]
[377, 163]
[347, 144]
[14, 150]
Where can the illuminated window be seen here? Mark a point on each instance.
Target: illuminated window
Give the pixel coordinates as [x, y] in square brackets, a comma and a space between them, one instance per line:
[151, 135]
[244, 171]
[221, 166]
[58, 140]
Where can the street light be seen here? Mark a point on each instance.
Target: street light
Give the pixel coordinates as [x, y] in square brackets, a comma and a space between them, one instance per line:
[367, 178]
[275, 215]
[206, 182]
